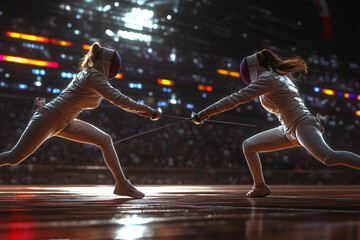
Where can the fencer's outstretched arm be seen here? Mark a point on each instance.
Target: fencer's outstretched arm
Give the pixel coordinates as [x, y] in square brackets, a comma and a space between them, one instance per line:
[101, 86]
[255, 89]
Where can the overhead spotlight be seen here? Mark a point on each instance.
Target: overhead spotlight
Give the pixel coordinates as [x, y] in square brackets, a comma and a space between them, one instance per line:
[106, 8]
[109, 32]
[168, 17]
[190, 106]
[23, 86]
[172, 57]
[134, 36]
[328, 92]
[165, 82]
[162, 104]
[116, 4]
[56, 90]
[140, 2]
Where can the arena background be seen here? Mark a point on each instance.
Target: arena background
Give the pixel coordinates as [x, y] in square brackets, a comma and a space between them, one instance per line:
[180, 55]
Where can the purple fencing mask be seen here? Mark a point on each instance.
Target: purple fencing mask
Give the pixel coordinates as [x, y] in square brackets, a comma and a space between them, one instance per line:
[115, 65]
[244, 71]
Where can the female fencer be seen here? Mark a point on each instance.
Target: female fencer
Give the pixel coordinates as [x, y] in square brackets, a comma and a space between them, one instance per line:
[270, 78]
[58, 117]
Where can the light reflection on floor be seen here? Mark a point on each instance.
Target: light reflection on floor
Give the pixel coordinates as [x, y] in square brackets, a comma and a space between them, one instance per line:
[178, 212]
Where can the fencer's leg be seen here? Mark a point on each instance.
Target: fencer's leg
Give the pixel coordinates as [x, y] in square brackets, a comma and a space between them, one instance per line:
[84, 132]
[268, 141]
[39, 128]
[312, 140]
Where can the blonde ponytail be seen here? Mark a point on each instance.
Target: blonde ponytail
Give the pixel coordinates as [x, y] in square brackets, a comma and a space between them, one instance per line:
[91, 56]
[268, 58]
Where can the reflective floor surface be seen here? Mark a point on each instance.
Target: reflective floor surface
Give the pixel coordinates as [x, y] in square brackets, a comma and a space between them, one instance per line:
[179, 212]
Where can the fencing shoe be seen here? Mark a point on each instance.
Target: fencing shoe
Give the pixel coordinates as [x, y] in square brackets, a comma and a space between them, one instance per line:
[127, 189]
[259, 191]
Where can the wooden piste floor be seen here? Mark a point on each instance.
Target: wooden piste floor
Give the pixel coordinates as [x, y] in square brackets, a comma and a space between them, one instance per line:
[179, 212]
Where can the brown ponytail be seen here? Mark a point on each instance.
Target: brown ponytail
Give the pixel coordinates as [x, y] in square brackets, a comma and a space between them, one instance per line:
[269, 59]
[91, 56]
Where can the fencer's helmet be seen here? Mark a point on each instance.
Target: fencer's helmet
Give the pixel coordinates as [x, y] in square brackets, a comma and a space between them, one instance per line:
[108, 63]
[248, 68]
[244, 71]
[115, 65]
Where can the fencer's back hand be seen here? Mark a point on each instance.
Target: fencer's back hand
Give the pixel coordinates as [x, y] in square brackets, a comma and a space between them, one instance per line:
[157, 115]
[198, 118]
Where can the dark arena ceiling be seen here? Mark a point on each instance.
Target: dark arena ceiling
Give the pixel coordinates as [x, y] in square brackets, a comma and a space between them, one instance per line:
[186, 41]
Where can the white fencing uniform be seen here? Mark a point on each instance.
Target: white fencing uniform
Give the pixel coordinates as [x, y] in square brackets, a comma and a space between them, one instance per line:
[279, 95]
[58, 117]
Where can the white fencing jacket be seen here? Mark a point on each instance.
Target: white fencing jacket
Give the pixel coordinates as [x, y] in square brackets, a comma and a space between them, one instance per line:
[90, 87]
[278, 95]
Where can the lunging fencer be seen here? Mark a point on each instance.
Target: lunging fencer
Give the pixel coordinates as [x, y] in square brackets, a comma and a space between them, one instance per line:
[270, 78]
[59, 116]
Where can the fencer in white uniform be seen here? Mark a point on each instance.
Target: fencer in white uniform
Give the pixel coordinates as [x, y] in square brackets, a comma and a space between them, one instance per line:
[86, 91]
[271, 82]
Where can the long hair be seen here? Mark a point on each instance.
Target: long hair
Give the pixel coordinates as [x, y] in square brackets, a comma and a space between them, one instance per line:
[269, 59]
[91, 56]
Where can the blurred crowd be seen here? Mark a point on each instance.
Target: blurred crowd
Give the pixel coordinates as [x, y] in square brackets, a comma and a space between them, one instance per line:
[182, 154]
[188, 50]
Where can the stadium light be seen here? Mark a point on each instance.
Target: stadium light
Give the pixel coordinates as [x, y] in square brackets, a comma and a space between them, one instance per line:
[109, 32]
[340, 94]
[23, 86]
[29, 61]
[234, 74]
[222, 71]
[204, 88]
[138, 19]
[328, 92]
[61, 42]
[190, 106]
[172, 57]
[201, 87]
[165, 82]
[349, 95]
[28, 37]
[119, 76]
[106, 8]
[134, 36]
[86, 47]
[228, 73]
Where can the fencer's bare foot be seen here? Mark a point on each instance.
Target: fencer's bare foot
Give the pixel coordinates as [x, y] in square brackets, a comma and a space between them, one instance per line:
[127, 189]
[261, 190]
